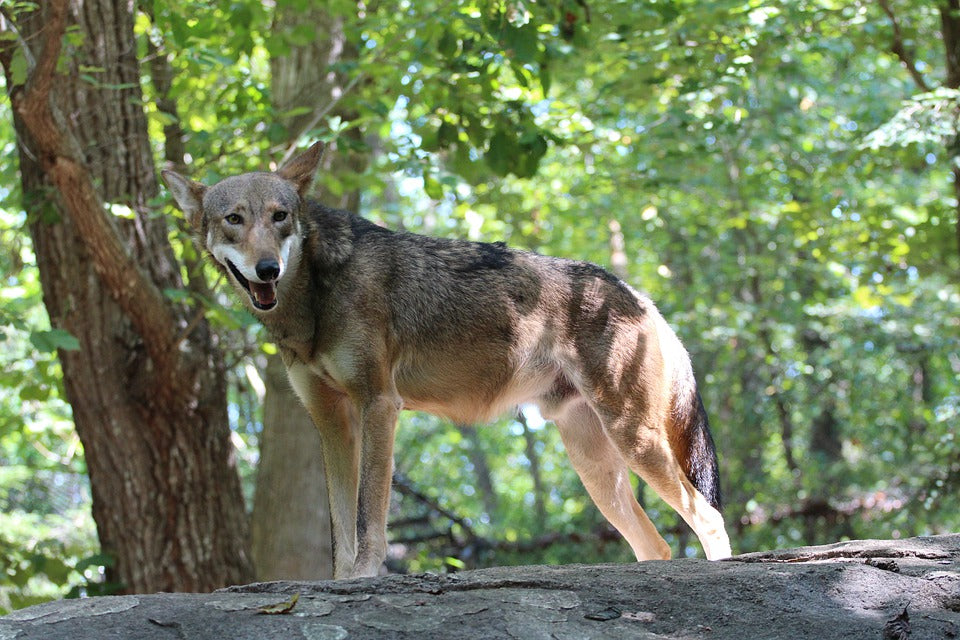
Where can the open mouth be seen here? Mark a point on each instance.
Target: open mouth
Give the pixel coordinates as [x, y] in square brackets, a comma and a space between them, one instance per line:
[262, 294]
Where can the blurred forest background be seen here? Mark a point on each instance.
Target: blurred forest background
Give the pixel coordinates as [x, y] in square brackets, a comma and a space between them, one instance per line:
[781, 177]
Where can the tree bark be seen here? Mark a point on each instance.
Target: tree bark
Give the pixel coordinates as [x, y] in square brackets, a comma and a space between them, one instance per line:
[290, 526]
[148, 398]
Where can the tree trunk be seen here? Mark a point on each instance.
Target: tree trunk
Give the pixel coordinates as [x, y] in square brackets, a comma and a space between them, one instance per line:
[290, 526]
[291, 521]
[148, 397]
[306, 78]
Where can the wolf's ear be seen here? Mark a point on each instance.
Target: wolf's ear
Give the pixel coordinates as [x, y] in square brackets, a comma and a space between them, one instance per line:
[300, 170]
[188, 194]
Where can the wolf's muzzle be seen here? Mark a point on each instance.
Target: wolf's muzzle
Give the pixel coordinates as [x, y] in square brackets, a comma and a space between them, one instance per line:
[262, 294]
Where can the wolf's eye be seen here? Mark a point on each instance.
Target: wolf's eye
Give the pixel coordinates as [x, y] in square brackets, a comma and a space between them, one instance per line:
[279, 216]
[234, 218]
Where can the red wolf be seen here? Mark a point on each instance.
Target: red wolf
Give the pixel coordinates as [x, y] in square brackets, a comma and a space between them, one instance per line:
[371, 321]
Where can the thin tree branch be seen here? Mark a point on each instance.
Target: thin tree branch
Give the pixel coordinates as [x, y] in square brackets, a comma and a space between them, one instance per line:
[824, 508]
[318, 116]
[404, 486]
[531, 452]
[481, 468]
[950, 30]
[900, 50]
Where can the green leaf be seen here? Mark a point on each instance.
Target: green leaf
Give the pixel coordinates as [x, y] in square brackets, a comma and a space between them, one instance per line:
[447, 134]
[474, 128]
[18, 67]
[521, 43]
[96, 560]
[432, 187]
[448, 43]
[546, 79]
[501, 152]
[20, 576]
[296, 111]
[176, 295]
[34, 392]
[57, 570]
[533, 152]
[50, 341]
[178, 31]
[430, 140]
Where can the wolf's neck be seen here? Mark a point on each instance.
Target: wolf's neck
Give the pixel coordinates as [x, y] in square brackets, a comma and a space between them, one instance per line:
[328, 238]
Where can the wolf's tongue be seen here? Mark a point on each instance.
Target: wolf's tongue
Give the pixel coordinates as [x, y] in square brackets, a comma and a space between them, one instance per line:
[265, 293]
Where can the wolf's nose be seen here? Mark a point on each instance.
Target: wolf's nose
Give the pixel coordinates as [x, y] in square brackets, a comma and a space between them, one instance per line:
[268, 270]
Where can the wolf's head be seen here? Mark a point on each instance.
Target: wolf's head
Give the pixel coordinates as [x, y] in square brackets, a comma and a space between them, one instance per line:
[250, 223]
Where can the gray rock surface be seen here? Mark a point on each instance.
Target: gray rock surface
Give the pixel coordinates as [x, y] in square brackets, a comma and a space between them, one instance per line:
[876, 589]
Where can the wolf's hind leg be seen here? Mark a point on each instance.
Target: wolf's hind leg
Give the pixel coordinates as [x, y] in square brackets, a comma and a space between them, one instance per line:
[605, 475]
[377, 424]
[657, 465]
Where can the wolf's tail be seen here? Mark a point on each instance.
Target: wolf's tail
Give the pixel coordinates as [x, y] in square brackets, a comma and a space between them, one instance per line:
[691, 440]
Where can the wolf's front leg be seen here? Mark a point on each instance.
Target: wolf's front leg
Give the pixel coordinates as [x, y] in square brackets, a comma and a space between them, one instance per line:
[338, 422]
[378, 420]
[341, 464]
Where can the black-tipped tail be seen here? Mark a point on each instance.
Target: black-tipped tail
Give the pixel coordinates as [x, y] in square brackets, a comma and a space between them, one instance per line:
[693, 446]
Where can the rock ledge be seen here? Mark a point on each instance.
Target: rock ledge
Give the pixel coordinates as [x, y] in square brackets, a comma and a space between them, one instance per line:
[874, 589]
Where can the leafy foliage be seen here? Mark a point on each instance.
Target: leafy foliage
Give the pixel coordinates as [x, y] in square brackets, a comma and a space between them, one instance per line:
[47, 539]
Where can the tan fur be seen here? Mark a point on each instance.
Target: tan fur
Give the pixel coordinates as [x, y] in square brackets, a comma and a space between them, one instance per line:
[370, 322]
